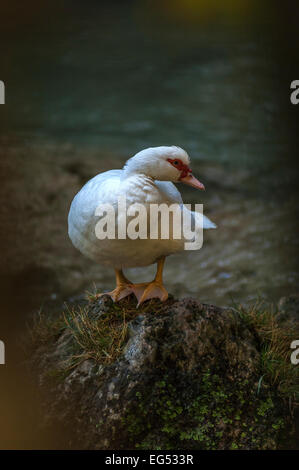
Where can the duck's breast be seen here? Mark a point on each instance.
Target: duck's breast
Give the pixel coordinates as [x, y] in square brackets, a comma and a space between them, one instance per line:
[82, 219]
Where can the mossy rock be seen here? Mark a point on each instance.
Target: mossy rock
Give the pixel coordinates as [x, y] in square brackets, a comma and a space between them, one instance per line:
[181, 375]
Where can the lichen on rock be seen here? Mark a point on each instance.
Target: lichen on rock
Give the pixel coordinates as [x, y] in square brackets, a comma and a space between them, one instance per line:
[179, 375]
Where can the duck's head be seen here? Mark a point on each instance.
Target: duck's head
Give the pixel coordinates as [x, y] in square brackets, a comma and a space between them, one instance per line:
[164, 164]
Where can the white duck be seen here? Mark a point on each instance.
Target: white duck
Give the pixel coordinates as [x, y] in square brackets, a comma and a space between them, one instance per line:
[146, 178]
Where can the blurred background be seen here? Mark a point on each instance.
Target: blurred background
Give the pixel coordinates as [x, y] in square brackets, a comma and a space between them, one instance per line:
[89, 84]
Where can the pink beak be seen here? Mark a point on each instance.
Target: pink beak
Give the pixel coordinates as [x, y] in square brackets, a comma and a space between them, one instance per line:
[192, 181]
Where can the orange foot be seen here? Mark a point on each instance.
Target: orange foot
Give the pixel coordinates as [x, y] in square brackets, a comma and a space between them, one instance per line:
[120, 292]
[149, 290]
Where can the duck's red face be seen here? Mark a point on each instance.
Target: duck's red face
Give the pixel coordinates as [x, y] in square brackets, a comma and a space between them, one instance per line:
[186, 173]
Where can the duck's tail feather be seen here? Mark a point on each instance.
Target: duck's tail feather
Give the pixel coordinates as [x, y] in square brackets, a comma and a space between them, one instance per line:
[207, 223]
[202, 220]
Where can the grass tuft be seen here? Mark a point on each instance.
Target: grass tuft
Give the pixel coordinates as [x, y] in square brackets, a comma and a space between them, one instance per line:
[101, 337]
[275, 340]
[101, 340]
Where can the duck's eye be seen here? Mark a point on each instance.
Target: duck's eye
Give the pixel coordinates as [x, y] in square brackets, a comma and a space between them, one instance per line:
[176, 162]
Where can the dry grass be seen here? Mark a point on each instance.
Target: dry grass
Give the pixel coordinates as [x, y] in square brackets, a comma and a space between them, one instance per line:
[87, 332]
[275, 367]
[102, 339]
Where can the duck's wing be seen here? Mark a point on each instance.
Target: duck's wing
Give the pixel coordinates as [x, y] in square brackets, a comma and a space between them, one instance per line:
[99, 190]
[173, 195]
[169, 191]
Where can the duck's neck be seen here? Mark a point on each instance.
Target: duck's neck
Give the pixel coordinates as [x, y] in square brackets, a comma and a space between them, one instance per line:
[138, 178]
[132, 173]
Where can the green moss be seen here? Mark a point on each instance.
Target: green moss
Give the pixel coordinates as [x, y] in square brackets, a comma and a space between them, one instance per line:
[234, 446]
[172, 418]
[265, 407]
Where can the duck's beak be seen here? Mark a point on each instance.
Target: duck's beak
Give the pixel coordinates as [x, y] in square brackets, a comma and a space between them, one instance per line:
[192, 181]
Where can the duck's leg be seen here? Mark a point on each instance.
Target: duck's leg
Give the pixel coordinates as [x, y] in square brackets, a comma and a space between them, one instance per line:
[123, 287]
[154, 289]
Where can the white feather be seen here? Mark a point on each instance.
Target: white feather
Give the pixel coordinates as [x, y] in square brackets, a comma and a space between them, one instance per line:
[142, 180]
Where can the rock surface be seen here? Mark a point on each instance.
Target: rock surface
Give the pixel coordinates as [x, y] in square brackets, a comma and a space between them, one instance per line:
[288, 308]
[186, 378]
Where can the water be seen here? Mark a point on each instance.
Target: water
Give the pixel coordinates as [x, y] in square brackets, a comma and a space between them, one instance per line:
[105, 76]
[87, 86]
